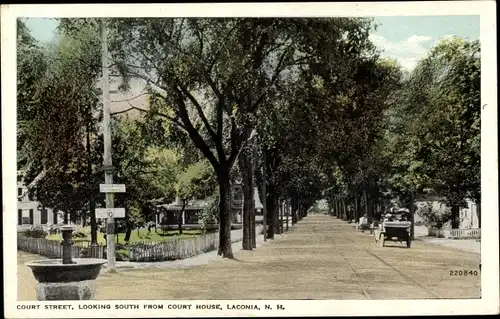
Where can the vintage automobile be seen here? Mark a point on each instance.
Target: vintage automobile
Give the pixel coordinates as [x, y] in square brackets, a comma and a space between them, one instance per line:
[364, 224]
[395, 227]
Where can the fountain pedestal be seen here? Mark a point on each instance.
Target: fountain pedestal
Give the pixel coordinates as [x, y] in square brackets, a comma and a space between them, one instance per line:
[66, 278]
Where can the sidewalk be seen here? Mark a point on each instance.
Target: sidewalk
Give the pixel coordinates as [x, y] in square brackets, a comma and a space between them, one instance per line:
[469, 245]
[198, 260]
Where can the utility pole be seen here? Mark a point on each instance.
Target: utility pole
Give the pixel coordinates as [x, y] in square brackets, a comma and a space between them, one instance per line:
[108, 165]
[264, 196]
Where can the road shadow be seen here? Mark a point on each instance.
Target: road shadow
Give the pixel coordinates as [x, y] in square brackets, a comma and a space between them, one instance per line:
[391, 246]
[245, 262]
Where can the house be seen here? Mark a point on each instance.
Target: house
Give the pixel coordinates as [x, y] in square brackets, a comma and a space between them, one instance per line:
[29, 212]
[167, 214]
[468, 216]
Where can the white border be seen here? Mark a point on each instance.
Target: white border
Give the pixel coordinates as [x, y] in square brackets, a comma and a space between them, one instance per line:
[489, 164]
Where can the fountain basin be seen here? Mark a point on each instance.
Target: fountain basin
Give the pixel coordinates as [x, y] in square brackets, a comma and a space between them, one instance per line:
[58, 281]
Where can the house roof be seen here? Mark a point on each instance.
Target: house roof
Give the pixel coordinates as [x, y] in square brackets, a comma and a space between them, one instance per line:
[191, 205]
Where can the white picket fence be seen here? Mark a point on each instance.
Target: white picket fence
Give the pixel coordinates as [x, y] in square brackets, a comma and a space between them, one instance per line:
[464, 233]
[177, 248]
[171, 249]
[53, 248]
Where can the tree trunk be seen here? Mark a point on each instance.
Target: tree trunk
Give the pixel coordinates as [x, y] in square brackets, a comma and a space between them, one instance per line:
[356, 208]
[127, 234]
[455, 212]
[93, 223]
[225, 249]
[247, 186]
[344, 209]
[252, 219]
[294, 209]
[366, 202]
[287, 206]
[272, 202]
[412, 215]
[339, 213]
[282, 214]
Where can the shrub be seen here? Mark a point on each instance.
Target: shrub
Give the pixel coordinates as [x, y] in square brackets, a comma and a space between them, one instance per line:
[432, 217]
[122, 255]
[36, 232]
[208, 216]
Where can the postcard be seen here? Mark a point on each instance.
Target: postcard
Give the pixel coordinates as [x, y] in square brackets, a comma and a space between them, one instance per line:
[238, 159]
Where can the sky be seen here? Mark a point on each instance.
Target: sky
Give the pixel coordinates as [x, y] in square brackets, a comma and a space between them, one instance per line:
[404, 38]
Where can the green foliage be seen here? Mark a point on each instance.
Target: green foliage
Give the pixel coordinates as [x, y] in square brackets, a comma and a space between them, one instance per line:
[122, 254]
[434, 129]
[433, 218]
[60, 89]
[35, 232]
[197, 181]
[209, 216]
[150, 172]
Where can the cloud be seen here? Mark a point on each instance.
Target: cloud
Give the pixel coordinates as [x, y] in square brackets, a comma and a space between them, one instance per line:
[407, 52]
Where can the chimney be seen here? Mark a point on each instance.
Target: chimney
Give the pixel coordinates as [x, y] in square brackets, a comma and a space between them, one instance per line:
[177, 200]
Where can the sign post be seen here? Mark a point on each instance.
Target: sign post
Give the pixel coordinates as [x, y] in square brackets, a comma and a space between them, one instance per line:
[108, 166]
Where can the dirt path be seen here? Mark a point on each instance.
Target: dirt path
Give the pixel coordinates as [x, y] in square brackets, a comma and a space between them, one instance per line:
[322, 258]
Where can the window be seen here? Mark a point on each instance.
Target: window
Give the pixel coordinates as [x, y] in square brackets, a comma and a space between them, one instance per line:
[19, 191]
[25, 220]
[54, 217]
[19, 216]
[44, 216]
[19, 178]
[31, 217]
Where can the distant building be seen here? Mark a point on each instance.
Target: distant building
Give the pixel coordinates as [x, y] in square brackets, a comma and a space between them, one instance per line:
[468, 216]
[167, 214]
[29, 212]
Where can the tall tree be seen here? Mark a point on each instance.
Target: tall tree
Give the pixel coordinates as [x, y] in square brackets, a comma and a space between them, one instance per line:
[57, 173]
[440, 113]
[216, 72]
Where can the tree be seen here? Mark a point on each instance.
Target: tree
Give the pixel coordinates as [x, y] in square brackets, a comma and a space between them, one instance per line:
[441, 107]
[218, 81]
[57, 173]
[149, 172]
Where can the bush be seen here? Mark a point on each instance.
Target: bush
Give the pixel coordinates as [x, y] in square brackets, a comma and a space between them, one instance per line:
[122, 255]
[209, 216]
[433, 218]
[36, 232]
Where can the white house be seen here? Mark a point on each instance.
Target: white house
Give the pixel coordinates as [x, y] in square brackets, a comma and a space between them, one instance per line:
[468, 216]
[30, 212]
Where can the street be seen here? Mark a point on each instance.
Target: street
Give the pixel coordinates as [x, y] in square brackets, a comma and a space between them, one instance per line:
[321, 258]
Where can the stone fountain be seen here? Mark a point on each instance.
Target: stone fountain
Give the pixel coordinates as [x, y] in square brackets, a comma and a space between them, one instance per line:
[66, 278]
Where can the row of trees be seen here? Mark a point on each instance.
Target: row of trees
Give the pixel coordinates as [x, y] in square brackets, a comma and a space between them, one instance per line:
[300, 108]
[428, 139]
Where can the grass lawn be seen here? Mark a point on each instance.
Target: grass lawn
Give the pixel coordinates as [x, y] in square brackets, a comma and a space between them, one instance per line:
[135, 236]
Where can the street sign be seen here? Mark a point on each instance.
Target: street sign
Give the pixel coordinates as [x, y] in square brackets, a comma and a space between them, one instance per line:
[110, 213]
[112, 188]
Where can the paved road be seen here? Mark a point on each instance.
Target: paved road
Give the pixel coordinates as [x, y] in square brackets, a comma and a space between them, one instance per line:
[321, 258]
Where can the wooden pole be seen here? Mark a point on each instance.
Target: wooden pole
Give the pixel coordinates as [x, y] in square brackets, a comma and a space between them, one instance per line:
[108, 170]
